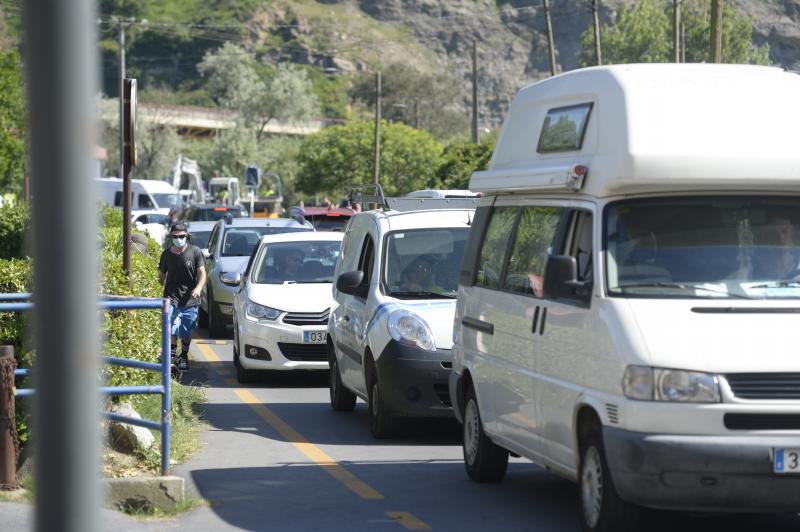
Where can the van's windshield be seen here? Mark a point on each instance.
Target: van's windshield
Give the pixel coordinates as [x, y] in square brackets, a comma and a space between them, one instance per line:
[424, 263]
[704, 247]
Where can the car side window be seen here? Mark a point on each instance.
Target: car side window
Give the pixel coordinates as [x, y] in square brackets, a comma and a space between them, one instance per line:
[144, 202]
[495, 247]
[366, 261]
[581, 244]
[533, 243]
[118, 198]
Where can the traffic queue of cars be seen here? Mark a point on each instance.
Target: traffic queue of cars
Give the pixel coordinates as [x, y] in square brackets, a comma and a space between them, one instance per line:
[619, 309]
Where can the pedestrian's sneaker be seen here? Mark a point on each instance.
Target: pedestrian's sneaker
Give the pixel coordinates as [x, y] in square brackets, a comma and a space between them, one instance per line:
[183, 363]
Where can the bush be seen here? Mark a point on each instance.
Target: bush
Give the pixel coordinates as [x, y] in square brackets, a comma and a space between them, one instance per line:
[14, 225]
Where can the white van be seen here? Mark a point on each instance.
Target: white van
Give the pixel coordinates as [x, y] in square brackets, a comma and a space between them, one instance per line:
[629, 307]
[148, 194]
[391, 328]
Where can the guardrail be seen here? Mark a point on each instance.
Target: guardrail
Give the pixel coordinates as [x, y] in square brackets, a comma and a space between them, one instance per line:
[22, 303]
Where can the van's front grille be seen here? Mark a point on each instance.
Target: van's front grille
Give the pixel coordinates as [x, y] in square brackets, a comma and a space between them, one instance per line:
[307, 318]
[762, 421]
[774, 386]
[304, 352]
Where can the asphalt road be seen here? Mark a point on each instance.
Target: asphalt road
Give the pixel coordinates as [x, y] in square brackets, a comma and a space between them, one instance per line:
[277, 457]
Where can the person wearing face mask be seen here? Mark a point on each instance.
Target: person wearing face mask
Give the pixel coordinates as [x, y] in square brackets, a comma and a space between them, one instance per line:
[182, 273]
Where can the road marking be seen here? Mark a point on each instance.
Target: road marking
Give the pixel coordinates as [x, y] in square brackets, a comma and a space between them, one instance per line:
[314, 453]
[408, 521]
[220, 342]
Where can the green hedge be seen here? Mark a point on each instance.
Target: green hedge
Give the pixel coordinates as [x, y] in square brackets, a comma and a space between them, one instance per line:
[14, 224]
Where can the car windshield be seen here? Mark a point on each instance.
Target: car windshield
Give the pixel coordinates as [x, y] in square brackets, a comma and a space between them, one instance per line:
[240, 241]
[424, 263]
[704, 247]
[167, 200]
[297, 262]
[200, 238]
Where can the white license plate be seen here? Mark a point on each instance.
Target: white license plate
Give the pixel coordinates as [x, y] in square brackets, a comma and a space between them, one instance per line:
[787, 460]
[314, 337]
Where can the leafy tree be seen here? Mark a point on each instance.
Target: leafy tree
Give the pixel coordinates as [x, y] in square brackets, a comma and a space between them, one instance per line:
[12, 123]
[460, 160]
[642, 33]
[232, 79]
[425, 101]
[341, 156]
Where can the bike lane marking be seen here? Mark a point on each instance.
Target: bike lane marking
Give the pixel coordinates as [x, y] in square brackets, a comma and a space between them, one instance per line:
[408, 521]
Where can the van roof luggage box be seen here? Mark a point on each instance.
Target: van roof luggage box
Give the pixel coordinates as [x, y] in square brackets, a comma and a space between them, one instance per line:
[623, 129]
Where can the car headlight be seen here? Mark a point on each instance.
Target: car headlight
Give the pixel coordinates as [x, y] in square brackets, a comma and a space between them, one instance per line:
[408, 328]
[671, 385]
[260, 312]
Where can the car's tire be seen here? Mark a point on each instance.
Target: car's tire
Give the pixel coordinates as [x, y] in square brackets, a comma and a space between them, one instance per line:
[484, 460]
[202, 318]
[342, 399]
[216, 326]
[243, 376]
[601, 509]
[382, 424]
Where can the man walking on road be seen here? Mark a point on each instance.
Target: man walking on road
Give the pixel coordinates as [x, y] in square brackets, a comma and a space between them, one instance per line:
[182, 272]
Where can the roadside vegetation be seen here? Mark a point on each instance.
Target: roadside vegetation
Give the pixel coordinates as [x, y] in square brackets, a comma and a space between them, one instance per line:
[129, 334]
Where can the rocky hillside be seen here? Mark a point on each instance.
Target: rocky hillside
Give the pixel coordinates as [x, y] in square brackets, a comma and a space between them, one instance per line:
[510, 36]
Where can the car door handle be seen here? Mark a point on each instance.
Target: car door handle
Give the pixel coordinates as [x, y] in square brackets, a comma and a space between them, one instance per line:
[478, 325]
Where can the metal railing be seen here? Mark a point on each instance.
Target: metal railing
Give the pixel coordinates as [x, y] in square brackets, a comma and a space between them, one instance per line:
[22, 303]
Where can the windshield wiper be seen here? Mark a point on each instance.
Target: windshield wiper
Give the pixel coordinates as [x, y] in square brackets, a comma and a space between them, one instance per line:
[681, 286]
[778, 284]
[422, 293]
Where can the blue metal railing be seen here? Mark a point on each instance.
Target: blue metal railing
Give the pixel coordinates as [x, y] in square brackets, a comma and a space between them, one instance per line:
[22, 303]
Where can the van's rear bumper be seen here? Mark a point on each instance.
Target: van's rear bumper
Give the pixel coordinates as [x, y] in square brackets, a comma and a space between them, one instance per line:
[701, 473]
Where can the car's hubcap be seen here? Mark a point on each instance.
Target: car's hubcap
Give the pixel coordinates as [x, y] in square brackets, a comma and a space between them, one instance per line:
[592, 486]
[471, 431]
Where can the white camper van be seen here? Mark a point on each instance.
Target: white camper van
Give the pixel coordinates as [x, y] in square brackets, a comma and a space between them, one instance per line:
[628, 311]
[148, 194]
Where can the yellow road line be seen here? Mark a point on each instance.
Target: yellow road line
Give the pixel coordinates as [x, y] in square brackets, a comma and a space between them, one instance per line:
[408, 521]
[314, 453]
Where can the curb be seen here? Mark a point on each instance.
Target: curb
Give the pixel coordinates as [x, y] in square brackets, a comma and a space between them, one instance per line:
[144, 493]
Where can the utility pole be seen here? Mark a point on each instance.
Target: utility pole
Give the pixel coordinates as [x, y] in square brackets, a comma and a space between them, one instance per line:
[596, 17]
[683, 42]
[716, 31]
[474, 92]
[550, 43]
[377, 163]
[676, 30]
[124, 169]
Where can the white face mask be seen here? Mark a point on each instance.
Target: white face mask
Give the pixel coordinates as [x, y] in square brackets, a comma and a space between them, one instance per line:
[179, 242]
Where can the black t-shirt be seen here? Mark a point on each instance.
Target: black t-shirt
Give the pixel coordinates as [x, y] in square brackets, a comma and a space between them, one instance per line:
[182, 274]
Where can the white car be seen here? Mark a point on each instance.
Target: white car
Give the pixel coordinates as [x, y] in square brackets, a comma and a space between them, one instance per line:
[154, 223]
[391, 332]
[282, 302]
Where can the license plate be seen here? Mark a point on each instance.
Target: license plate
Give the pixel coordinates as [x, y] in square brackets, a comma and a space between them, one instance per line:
[787, 460]
[314, 337]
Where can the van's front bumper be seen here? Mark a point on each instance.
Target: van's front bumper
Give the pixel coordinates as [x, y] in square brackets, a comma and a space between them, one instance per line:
[701, 473]
[414, 381]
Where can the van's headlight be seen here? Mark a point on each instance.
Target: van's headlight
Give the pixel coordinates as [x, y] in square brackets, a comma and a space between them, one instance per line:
[672, 385]
[255, 311]
[408, 328]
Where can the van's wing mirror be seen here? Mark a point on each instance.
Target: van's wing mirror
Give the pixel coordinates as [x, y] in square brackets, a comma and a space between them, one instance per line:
[350, 282]
[561, 278]
[206, 253]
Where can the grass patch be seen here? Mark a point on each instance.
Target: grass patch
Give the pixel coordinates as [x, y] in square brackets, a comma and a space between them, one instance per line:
[25, 494]
[148, 513]
[187, 423]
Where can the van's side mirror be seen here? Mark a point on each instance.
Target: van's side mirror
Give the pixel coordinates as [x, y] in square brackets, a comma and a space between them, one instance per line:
[561, 278]
[350, 282]
[205, 253]
[231, 278]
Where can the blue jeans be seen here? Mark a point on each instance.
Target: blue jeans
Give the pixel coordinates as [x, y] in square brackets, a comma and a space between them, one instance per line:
[182, 320]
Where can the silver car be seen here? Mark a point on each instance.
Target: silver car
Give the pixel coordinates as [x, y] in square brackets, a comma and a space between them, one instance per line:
[229, 248]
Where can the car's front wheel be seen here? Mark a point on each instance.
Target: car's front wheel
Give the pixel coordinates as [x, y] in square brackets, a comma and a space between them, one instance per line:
[484, 460]
[601, 508]
[342, 399]
[382, 424]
